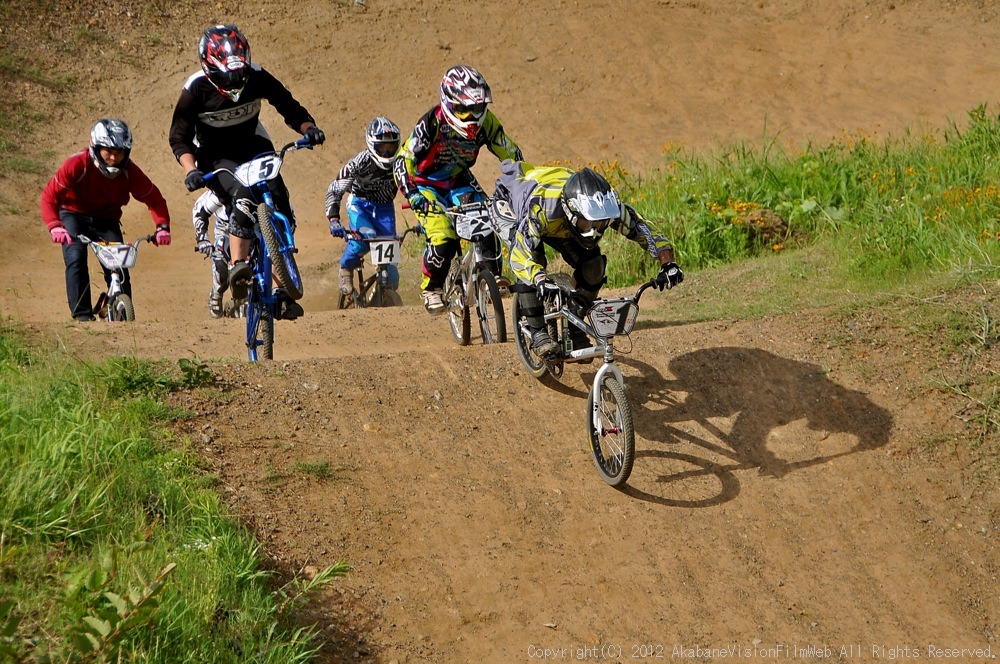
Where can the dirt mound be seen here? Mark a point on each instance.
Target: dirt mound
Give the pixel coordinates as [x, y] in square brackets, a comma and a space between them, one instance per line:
[779, 498]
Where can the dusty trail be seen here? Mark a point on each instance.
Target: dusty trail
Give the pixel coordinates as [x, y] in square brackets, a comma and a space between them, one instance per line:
[780, 496]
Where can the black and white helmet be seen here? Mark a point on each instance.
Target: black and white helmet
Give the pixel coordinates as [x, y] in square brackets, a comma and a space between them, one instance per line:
[113, 134]
[590, 205]
[382, 137]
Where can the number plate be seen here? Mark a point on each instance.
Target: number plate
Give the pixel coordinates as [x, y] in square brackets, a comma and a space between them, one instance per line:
[613, 317]
[473, 225]
[385, 252]
[258, 170]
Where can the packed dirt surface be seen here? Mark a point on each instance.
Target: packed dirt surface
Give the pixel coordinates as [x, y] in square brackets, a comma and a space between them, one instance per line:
[785, 495]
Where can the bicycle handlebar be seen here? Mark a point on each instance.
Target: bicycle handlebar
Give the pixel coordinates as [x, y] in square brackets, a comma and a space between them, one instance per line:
[355, 235]
[147, 238]
[299, 144]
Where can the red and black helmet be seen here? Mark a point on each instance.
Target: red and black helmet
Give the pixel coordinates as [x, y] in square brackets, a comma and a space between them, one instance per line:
[225, 58]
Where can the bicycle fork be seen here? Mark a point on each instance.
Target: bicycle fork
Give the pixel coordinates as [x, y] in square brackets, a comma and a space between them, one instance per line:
[595, 391]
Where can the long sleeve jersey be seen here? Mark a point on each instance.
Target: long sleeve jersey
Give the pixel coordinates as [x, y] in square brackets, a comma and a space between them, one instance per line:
[363, 177]
[436, 155]
[207, 206]
[534, 196]
[211, 126]
[79, 187]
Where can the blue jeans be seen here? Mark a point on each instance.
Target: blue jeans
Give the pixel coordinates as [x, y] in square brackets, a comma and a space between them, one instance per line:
[75, 257]
[369, 219]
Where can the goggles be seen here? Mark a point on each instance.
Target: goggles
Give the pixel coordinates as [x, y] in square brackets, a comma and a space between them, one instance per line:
[386, 150]
[588, 227]
[472, 111]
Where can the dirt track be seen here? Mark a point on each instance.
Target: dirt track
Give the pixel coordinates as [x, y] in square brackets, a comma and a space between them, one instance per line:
[780, 497]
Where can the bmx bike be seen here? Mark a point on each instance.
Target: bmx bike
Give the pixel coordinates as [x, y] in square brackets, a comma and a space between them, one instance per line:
[609, 415]
[470, 281]
[374, 290]
[272, 251]
[116, 257]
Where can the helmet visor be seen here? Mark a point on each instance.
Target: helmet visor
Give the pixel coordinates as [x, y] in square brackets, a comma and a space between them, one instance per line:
[387, 150]
[470, 112]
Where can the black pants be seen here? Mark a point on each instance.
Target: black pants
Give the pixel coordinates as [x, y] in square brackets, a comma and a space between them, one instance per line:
[75, 257]
[588, 272]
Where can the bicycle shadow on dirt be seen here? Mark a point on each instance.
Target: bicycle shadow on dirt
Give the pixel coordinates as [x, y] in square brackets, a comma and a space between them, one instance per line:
[783, 415]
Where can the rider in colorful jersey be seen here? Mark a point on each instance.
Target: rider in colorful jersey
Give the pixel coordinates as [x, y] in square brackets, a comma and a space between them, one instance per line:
[216, 123]
[433, 171]
[368, 181]
[86, 196]
[205, 208]
[568, 211]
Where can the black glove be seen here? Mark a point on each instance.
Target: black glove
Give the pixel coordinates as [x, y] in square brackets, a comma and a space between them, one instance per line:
[547, 289]
[315, 135]
[670, 275]
[194, 180]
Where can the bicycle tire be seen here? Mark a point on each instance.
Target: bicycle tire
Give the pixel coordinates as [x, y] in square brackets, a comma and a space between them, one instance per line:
[260, 332]
[614, 448]
[489, 307]
[457, 300]
[283, 262]
[120, 308]
[390, 298]
[267, 336]
[522, 340]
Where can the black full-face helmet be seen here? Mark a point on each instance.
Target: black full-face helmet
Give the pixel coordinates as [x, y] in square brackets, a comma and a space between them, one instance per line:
[591, 205]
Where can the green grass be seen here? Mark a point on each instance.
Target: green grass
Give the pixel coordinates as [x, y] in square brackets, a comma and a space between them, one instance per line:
[112, 535]
[887, 211]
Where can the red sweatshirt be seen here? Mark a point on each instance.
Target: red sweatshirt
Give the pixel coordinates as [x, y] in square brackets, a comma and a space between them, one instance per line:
[79, 187]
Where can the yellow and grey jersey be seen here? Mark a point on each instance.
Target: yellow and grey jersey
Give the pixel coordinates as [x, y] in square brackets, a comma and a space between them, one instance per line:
[534, 194]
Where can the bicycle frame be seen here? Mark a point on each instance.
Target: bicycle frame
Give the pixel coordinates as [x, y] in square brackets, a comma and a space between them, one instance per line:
[262, 303]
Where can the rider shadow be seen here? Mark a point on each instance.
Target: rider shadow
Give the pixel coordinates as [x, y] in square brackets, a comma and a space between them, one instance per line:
[782, 415]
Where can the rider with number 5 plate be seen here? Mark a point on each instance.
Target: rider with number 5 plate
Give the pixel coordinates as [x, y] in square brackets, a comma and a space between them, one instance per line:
[569, 211]
[216, 124]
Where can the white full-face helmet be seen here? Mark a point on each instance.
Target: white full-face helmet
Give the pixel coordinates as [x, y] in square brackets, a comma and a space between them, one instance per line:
[464, 96]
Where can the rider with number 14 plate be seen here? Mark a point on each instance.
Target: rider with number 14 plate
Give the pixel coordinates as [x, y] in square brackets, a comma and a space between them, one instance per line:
[569, 211]
[367, 179]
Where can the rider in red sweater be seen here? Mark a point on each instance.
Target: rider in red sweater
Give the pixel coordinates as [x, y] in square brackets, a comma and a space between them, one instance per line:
[86, 196]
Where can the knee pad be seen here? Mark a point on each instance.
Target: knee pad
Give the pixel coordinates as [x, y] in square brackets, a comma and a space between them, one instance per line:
[243, 218]
[438, 257]
[590, 273]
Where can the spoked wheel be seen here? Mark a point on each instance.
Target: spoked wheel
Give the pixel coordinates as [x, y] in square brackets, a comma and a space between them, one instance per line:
[522, 339]
[260, 332]
[490, 309]
[282, 258]
[457, 301]
[612, 440]
[120, 308]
